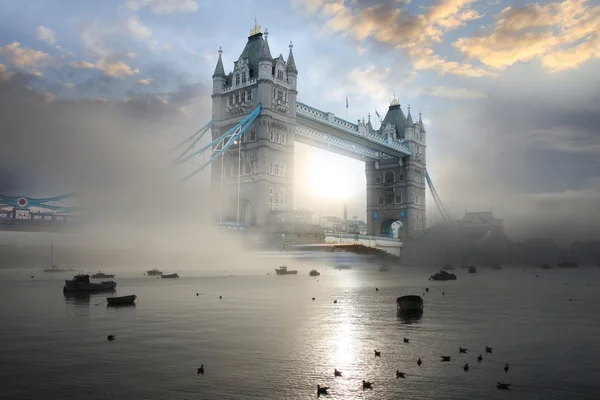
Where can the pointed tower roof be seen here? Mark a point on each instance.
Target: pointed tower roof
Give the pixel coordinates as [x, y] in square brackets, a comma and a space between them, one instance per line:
[421, 122]
[219, 70]
[409, 120]
[291, 64]
[266, 51]
[396, 117]
[369, 126]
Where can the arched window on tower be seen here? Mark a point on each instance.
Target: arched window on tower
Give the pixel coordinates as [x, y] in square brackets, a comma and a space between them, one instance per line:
[244, 77]
[279, 74]
[237, 79]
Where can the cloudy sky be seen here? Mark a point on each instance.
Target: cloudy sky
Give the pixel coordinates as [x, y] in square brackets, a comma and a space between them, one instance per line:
[509, 90]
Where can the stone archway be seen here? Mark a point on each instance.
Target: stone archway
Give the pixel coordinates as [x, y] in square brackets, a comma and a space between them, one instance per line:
[391, 228]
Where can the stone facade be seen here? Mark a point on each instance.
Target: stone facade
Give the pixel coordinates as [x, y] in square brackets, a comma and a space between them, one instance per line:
[267, 147]
[396, 187]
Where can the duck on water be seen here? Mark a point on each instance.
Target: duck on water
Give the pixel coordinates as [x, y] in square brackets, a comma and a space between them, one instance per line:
[81, 283]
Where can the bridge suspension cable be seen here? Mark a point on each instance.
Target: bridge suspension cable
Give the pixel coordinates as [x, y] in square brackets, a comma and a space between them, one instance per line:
[193, 139]
[446, 216]
[221, 144]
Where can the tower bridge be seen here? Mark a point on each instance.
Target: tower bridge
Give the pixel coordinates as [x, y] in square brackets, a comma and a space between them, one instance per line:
[256, 121]
[255, 175]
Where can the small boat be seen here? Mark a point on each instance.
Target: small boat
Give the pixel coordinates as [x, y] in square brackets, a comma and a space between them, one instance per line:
[169, 276]
[284, 271]
[568, 264]
[547, 266]
[343, 266]
[314, 272]
[410, 304]
[442, 276]
[101, 275]
[384, 268]
[154, 272]
[472, 269]
[53, 267]
[121, 300]
[81, 283]
[448, 267]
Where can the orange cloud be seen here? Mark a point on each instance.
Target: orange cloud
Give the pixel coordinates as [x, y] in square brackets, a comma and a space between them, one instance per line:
[23, 57]
[563, 35]
[414, 34]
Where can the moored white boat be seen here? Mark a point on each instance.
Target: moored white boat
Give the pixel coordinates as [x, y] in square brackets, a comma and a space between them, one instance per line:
[101, 275]
[153, 272]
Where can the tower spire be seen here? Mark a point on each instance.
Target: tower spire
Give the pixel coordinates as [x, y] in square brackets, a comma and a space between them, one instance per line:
[219, 70]
[421, 122]
[291, 63]
[266, 52]
[409, 119]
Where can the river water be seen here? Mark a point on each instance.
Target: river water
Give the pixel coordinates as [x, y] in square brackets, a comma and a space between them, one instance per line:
[267, 339]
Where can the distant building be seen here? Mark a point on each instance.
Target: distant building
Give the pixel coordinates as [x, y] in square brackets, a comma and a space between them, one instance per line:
[331, 223]
[482, 227]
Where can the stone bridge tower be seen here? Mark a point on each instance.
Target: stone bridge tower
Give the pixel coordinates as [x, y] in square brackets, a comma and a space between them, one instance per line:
[267, 147]
[396, 187]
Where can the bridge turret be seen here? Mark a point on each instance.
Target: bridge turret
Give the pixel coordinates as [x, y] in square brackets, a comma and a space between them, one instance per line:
[219, 77]
[291, 70]
[265, 62]
[409, 128]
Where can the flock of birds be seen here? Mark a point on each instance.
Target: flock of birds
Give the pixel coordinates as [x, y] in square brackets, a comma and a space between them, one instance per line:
[323, 390]
[369, 385]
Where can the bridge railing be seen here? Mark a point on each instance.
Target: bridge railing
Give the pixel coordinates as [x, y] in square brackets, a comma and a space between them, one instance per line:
[349, 238]
[338, 123]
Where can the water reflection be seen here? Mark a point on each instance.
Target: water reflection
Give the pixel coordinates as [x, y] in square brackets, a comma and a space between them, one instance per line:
[408, 319]
[78, 298]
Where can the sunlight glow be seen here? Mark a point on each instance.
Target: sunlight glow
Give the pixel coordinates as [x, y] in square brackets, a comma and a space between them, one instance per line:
[331, 176]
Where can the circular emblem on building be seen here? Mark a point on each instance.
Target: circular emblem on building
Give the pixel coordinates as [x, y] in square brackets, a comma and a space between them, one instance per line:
[22, 202]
